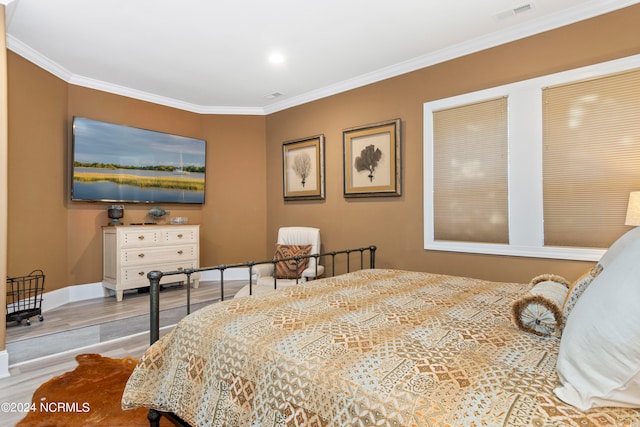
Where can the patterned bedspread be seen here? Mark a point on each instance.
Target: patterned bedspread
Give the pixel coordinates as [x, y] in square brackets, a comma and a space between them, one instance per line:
[369, 348]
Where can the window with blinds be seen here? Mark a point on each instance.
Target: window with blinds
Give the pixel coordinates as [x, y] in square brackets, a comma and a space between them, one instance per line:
[537, 168]
[470, 196]
[591, 158]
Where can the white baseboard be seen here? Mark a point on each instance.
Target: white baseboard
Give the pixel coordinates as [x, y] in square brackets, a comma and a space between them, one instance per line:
[236, 273]
[4, 364]
[53, 299]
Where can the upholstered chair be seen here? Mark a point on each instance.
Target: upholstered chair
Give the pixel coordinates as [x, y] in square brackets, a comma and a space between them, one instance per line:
[266, 275]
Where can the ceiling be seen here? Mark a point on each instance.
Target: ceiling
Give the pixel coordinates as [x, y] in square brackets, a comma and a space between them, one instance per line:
[212, 56]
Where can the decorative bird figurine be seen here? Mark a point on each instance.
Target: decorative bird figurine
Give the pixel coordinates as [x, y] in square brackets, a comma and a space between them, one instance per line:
[157, 212]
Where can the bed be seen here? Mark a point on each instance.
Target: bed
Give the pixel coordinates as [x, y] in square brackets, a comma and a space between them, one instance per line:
[398, 348]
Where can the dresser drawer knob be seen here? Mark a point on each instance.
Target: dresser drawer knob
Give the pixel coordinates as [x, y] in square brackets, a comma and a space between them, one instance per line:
[180, 268]
[141, 237]
[140, 255]
[180, 252]
[180, 236]
[141, 273]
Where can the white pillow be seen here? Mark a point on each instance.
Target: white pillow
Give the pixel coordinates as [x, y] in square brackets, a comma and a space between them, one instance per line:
[599, 358]
[619, 246]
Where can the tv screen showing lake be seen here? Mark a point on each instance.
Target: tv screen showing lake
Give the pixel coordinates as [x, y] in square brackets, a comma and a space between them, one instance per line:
[119, 163]
[137, 186]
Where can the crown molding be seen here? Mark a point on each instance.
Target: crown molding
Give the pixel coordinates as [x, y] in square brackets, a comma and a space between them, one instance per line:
[586, 10]
[161, 100]
[579, 13]
[62, 73]
[37, 58]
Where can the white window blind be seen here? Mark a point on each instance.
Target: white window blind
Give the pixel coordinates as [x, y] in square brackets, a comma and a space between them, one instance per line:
[591, 158]
[470, 195]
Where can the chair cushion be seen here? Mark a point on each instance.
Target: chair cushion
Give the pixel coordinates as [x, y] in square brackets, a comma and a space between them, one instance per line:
[287, 269]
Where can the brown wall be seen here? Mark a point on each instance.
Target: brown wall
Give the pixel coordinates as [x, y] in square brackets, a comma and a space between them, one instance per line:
[63, 238]
[37, 236]
[235, 215]
[3, 173]
[395, 225]
[243, 209]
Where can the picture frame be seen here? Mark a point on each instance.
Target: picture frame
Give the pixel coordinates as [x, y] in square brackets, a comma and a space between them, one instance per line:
[372, 160]
[303, 169]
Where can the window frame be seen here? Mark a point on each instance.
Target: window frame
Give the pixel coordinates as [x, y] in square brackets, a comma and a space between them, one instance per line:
[526, 215]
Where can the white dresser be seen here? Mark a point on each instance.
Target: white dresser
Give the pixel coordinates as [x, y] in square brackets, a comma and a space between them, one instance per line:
[130, 252]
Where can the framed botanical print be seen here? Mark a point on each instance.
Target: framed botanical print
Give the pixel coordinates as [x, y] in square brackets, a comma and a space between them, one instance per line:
[303, 168]
[372, 160]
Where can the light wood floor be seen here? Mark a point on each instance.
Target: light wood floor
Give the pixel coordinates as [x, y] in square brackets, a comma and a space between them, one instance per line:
[25, 377]
[101, 310]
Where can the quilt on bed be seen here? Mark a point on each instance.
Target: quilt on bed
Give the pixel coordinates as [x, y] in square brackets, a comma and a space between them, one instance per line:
[373, 347]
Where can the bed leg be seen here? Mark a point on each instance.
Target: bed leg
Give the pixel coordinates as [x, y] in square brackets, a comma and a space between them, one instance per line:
[154, 418]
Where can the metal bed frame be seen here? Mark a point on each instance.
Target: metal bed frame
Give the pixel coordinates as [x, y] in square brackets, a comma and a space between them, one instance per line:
[154, 296]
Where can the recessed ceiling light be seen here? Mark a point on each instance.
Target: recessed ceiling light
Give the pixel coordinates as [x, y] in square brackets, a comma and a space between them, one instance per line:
[276, 58]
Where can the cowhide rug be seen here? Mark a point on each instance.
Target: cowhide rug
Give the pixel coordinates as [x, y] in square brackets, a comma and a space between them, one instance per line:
[87, 396]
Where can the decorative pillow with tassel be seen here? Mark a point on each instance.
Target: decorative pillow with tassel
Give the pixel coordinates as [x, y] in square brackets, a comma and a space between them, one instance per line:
[540, 311]
[578, 287]
[287, 269]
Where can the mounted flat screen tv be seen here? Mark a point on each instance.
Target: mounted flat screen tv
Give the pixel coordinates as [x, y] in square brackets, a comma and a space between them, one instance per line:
[116, 163]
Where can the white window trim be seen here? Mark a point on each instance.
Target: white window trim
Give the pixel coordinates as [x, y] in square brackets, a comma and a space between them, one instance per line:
[526, 228]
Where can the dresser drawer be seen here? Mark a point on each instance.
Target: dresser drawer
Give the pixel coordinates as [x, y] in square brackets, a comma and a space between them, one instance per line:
[140, 237]
[155, 255]
[137, 275]
[180, 235]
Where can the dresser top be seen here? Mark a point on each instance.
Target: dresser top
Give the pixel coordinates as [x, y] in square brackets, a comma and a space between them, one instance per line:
[147, 224]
